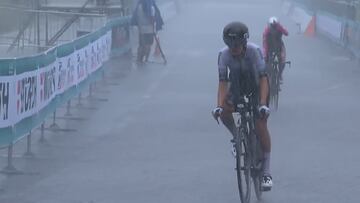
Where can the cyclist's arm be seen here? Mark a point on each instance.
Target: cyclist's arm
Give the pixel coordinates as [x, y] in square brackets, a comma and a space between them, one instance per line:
[283, 30]
[263, 78]
[222, 93]
[223, 80]
[264, 90]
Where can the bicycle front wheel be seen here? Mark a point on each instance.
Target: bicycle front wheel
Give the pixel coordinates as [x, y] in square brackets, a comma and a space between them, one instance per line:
[243, 170]
[257, 169]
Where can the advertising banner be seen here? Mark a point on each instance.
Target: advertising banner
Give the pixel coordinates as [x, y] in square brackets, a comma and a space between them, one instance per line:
[26, 94]
[7, 101]
[47, 84]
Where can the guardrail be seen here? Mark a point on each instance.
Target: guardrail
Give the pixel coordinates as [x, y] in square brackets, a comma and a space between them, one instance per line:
[32, 88]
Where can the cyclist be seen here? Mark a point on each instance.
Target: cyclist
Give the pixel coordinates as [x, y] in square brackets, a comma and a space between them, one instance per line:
[272, 42]
[241, 69]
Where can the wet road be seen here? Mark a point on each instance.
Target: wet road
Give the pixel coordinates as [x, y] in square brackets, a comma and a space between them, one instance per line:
[154, 140]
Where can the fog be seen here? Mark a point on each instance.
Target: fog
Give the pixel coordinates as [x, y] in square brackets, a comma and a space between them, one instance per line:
[149, 135]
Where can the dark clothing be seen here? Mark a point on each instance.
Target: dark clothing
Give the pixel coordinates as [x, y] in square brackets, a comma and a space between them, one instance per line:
[146, 5]
[146, 39]
[242, 74]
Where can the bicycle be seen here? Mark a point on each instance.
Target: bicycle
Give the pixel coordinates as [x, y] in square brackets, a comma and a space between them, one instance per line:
[248, 151]
[249, 155]
[274, 75]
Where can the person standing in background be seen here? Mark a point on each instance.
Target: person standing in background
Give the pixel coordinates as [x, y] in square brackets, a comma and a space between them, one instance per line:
[148, 19]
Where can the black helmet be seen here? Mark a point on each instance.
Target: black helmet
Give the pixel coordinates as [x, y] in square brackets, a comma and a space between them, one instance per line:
[235, 34]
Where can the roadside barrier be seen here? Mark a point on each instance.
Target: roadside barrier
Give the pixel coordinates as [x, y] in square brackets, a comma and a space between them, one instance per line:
[340, 30]
[32, 88]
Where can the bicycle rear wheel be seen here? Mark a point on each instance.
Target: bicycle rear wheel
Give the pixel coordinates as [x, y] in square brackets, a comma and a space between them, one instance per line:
[243, 170]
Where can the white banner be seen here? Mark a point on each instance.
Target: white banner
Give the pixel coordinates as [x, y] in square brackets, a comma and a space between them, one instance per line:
[108, 45]
[98, 52]
[93, 57]
[47, 84]
[7, 101]
[61, 75]
[67, 76]
[71, 71]
[26, 94]
[103, 48]
[87, 52]
[81, 71]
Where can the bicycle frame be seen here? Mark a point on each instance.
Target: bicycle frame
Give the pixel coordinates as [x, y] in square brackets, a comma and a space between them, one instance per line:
[245, 123]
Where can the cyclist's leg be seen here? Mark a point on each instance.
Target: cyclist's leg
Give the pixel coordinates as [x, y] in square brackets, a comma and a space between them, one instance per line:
[263, 132]
[227, 118]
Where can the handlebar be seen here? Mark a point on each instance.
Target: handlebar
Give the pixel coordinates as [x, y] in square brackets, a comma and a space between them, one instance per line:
[244, 104]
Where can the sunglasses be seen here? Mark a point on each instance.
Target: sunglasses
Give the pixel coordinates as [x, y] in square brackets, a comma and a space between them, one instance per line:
[237, 40]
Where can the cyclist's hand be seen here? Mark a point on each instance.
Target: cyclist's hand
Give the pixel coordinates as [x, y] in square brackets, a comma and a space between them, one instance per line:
[216, 113]
[264, 111]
